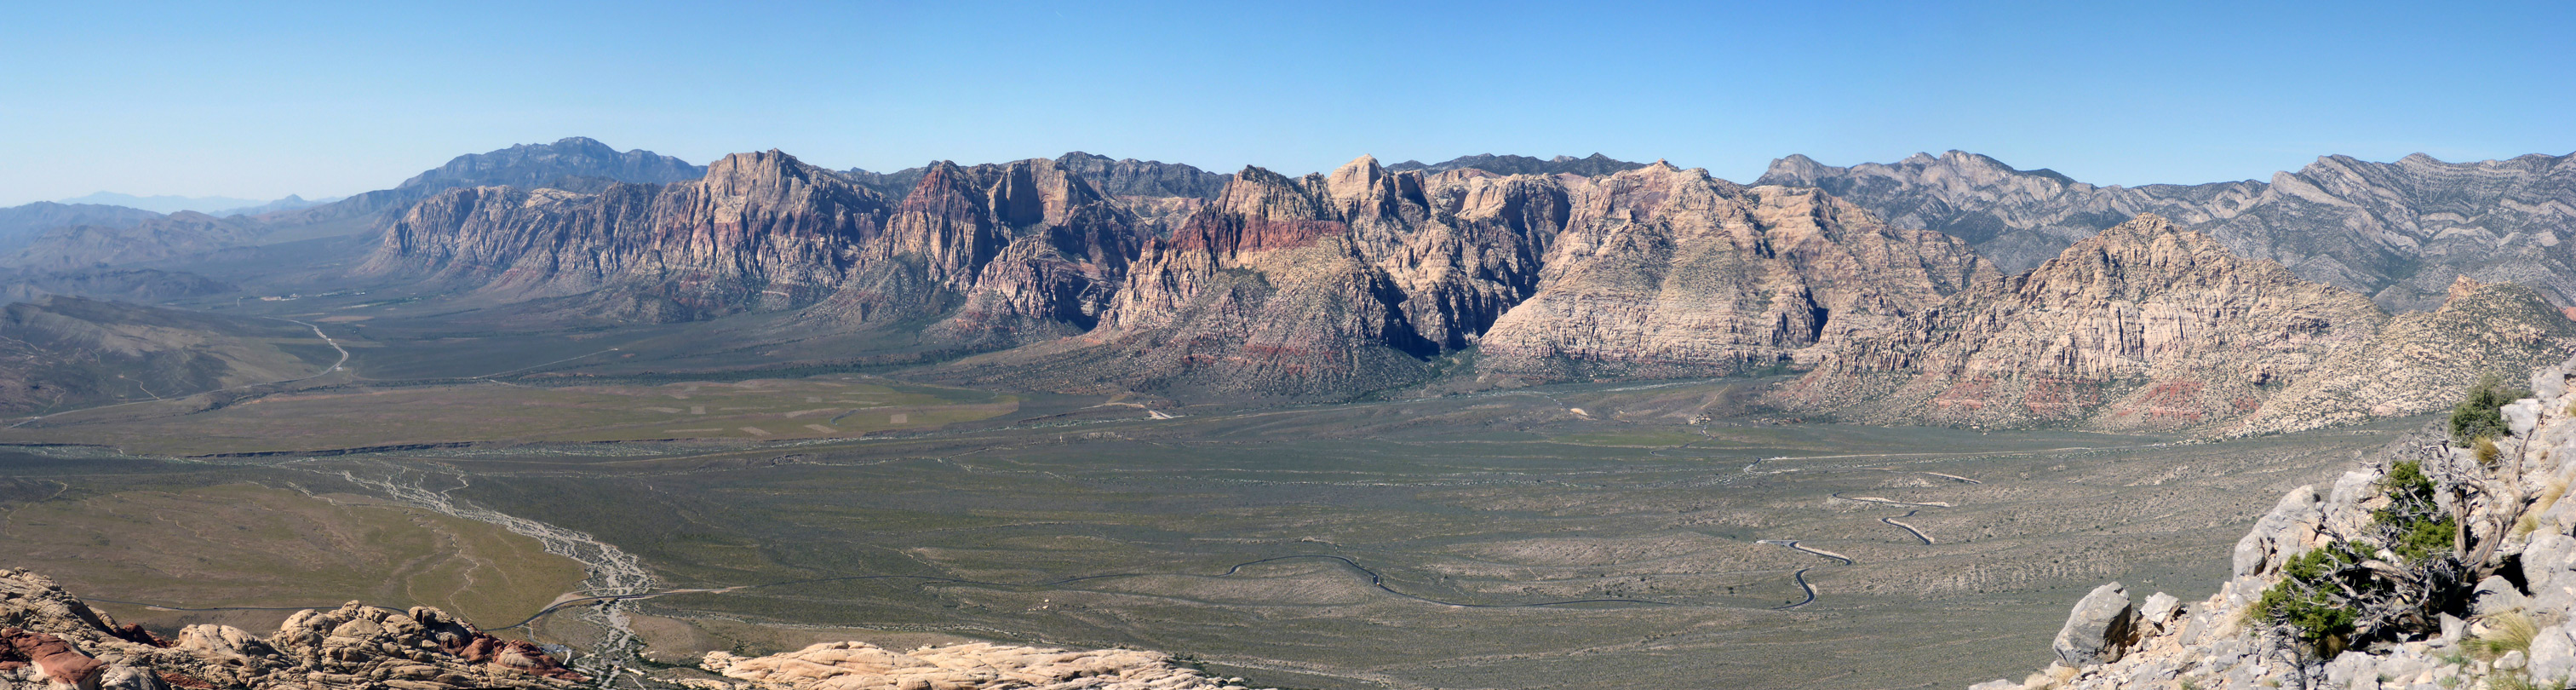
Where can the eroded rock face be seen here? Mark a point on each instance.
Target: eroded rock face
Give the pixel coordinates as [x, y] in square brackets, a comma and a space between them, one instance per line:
[1336, 284]
[2143, 326]
[1671, 273]
[862, 666]
[66, 643]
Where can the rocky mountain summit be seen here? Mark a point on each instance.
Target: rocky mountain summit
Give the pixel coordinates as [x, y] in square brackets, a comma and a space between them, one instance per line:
[2429, 566]
[2399, 232]
[2151, 326]
[51, 640]
[529, 165]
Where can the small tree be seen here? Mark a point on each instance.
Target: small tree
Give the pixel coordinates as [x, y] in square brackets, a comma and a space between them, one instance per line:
[2481, 413]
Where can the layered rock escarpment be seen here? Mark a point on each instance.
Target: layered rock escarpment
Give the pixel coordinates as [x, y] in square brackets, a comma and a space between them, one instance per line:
[2399, 232]
[2329, 591]
[2143, 326]
[862, 666]
[1020, 247]
[1336, 284]
[1668, 273]
[51, 639]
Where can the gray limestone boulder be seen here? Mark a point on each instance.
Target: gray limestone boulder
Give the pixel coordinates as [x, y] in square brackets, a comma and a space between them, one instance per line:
[2348, 669]
[2496, 595]
[2159, 612]
[2549, 383]
[2099, 629]
[2553, 655]
[2522, 416]
[2265, 545]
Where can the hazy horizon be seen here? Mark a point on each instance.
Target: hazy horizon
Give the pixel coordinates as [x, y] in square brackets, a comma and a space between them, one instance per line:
[325, 100]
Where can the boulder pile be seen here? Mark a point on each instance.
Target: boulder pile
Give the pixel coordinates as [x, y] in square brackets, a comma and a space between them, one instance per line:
[51, 640]
[2439, 564]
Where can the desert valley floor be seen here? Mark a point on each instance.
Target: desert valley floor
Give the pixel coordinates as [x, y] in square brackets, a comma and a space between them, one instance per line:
[1630, 535]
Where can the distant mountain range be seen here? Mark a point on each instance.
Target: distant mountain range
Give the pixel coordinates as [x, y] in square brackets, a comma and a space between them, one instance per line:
[2399, 232]
[1951, 290]
[165, 203]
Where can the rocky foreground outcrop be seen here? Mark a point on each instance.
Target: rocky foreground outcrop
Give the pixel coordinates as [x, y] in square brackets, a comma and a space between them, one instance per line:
[2429, 567]
[862, 666]
[51, 640]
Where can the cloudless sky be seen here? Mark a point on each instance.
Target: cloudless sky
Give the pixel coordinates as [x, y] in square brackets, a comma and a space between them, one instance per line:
[260, 100]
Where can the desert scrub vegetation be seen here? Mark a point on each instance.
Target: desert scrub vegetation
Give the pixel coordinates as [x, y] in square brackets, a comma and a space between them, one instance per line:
[2510, 631]
[2480, 413]
[2395, 578]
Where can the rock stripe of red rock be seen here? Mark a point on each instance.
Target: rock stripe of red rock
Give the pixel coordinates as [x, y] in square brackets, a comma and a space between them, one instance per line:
[51, 655]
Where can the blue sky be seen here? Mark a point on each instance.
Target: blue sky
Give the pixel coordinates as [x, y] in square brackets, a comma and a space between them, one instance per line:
[329, 99]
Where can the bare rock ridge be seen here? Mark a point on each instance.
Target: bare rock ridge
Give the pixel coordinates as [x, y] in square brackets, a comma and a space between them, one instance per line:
[2327, 592]
[1321, 286]
[2148, 326]
[1370, 278]
[1020, 245]
[1329, 285]
[51, 639]
[862, 666]
[2397, 231]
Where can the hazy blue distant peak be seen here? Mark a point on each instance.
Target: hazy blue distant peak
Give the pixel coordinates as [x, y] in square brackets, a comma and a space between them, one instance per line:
[165, 203]
[530, 165]
[290, 203]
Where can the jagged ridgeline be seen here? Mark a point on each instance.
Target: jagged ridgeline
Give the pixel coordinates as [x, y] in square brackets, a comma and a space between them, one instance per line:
[2440, 562]
[1324, 286]
[2398, 232]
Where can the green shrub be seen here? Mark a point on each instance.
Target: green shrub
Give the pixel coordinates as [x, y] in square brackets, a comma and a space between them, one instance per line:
[2422, 539]
[2480, 414]
[2420, 531]
[2308, 598]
